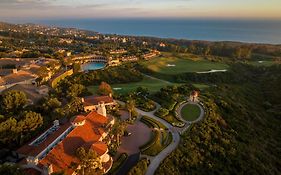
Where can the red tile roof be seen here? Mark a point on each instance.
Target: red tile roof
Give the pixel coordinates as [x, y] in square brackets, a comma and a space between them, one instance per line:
[79, 118]
[35, 150]
[100, 148]
[95, 100]
[64, 153]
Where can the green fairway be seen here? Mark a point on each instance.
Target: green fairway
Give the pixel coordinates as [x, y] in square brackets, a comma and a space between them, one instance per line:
[190, 112]
[201, 86]
[153, 85]
[262, 63]
[175, 65]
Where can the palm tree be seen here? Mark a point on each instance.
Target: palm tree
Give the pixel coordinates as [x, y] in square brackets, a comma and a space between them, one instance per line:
[119, 129]
[130, 106]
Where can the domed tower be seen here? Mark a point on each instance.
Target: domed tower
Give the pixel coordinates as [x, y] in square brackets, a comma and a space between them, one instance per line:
[194, 96]
[101, 109]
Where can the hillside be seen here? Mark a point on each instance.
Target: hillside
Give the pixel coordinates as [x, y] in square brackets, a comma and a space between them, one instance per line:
[241, 134]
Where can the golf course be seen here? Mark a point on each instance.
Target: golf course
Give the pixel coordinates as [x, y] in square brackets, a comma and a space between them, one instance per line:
[153, 85]
[172, 65]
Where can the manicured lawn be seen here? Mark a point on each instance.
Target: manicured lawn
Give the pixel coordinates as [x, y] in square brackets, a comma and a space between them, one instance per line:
[176, 65]
[190, 112]
[152, 84]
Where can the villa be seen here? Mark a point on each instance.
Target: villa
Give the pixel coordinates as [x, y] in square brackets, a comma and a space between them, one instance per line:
[16, 77]
[119, 51]
[151, 54]
[32, 92]
[55, 149]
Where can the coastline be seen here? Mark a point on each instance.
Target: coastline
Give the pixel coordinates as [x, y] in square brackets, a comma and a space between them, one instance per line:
[241, 31]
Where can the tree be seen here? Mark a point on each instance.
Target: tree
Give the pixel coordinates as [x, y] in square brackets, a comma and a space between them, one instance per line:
[118, 129]
[13, 101]
[104, 89]
[75, 90]
[51, 104]
[76, 67]
[8, 131]
[142, 91]
[90, 162]
[30, 122]
[10, 169]
[130, 106]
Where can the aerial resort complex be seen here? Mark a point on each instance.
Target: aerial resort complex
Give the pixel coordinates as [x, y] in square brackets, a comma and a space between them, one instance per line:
[145, 87]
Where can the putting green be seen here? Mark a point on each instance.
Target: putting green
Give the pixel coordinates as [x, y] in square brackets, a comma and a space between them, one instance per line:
[177, 65]
[190, 112]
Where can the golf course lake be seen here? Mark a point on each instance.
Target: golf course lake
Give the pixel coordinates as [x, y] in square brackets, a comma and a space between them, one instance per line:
[93, 66]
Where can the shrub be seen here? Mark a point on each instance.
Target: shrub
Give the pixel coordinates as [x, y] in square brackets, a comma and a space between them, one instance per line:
[162, 112]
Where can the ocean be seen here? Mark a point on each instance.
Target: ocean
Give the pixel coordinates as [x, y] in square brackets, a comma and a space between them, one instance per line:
[252, 31]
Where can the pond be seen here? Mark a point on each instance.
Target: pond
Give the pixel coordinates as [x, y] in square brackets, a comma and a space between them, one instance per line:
[93, 66]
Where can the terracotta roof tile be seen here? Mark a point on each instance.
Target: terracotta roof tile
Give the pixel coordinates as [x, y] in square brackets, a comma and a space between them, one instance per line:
[95, 100]
[100, 148]
[79, 118]
[64, 154]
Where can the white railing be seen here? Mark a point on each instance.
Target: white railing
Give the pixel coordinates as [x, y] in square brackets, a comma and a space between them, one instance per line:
[54, 143]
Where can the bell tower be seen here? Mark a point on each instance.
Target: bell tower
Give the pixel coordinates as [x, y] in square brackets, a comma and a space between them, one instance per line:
[101, 109]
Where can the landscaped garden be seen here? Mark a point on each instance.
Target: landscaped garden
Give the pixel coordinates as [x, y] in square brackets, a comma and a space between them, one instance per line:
[160, 137]
[190, 112]
[118, 163]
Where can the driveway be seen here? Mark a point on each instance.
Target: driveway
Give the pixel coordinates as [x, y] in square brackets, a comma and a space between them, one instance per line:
[140, 135]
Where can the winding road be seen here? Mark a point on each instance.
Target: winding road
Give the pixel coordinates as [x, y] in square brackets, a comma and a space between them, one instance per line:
[155, 161]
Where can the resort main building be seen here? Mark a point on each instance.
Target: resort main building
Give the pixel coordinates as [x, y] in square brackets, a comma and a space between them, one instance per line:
[55, 149]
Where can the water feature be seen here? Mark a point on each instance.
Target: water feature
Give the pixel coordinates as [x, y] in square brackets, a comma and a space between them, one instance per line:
[93, 66]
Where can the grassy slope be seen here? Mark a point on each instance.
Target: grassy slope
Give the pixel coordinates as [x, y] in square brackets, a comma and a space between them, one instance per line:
[238, 137]
[182, 65]
[190, 112]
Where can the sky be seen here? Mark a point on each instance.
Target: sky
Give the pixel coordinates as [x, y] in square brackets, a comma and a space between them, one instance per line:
[60, 9]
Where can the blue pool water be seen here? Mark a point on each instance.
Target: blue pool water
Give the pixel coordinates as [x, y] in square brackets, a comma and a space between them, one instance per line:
[93, 66]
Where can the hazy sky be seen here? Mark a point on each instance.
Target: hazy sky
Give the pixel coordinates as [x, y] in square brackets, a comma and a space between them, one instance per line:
[42, 9]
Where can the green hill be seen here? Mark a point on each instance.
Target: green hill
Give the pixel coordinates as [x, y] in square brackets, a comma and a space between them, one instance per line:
[240, 135]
